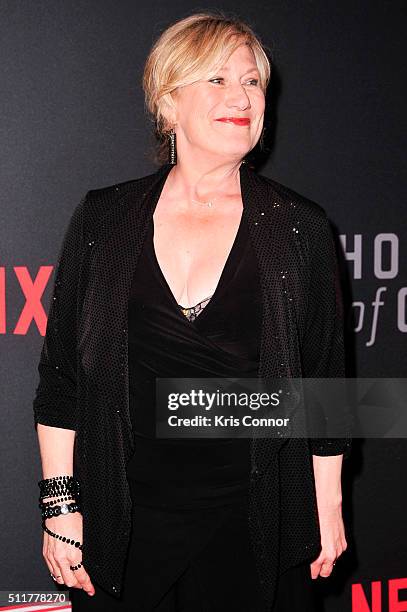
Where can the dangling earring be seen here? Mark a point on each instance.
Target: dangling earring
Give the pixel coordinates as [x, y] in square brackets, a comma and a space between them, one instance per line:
[172, 147]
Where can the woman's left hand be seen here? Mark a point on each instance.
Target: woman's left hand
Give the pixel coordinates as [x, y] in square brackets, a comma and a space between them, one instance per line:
[333, 540]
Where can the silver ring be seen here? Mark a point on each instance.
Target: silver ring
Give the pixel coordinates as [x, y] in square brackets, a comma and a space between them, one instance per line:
[53, 577]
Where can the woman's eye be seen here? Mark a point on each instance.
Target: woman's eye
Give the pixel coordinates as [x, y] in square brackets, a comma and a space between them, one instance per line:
[252, 81]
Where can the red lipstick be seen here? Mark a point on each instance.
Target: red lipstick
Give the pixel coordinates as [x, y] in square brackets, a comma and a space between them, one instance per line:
[235, 120]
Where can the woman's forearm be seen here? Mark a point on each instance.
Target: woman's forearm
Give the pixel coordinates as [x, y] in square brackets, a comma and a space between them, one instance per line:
[327, 475]
[56, 449]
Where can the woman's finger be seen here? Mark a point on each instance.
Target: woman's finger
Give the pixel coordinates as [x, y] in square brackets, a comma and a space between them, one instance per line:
[84, 580]
[48, 563]
[326, 569]
[45, 553]
[55, 569]
[68, 575]
[49, 559]
[81, 575]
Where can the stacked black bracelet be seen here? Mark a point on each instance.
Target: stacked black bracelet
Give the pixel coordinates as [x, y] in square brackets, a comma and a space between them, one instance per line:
[59, 485]
[63, 488]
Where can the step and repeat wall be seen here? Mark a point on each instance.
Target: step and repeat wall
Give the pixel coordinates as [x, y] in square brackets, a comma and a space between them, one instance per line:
[73, 119]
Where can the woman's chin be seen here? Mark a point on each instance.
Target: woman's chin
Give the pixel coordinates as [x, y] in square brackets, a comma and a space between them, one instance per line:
[232, 152]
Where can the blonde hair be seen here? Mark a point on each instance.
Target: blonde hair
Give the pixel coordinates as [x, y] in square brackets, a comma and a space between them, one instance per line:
[189, 50]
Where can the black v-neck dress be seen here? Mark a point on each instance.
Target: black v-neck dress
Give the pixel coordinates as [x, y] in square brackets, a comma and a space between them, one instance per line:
[192, 492]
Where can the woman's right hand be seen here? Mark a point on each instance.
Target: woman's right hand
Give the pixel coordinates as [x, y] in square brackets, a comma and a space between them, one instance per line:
[60, 555]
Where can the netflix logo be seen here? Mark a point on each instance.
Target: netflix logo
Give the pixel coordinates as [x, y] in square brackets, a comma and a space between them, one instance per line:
[32, 290]
[380, 596]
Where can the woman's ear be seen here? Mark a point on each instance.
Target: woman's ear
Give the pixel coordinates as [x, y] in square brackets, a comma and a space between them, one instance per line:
[169, 110]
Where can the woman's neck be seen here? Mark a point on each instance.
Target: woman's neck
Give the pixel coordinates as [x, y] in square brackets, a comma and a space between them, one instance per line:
[204, 182]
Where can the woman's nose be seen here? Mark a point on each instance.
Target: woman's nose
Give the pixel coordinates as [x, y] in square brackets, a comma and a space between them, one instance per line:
[237, 96]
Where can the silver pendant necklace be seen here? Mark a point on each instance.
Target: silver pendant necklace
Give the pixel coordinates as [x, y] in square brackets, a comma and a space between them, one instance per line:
[209, 203]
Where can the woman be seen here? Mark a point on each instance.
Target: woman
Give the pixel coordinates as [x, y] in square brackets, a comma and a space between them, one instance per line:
[202, 269]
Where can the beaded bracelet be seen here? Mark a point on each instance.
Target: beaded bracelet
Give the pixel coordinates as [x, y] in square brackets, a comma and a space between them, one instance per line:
[63, 478]
[51, 498]
[59, 537]
[56, 481]
[72, 489]
[58, 510]
[50, 487]
[58, 499]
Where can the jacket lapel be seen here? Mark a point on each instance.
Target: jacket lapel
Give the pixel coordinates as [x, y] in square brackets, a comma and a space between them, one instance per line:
[270, 239]
[115, 244]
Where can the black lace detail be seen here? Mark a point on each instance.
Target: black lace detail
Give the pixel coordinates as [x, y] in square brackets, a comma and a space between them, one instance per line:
[191, 312]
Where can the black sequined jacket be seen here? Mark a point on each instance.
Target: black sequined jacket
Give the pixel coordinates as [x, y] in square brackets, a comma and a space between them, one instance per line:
[83, 365]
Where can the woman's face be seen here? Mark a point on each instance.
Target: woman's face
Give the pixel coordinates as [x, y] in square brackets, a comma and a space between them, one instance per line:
[234, 92]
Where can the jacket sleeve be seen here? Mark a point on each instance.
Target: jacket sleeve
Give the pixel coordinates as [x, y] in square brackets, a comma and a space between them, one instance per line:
[323, 352]
[55, 401]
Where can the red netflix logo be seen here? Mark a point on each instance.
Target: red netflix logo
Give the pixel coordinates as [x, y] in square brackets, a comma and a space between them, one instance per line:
[376, 601]
[32, 291]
